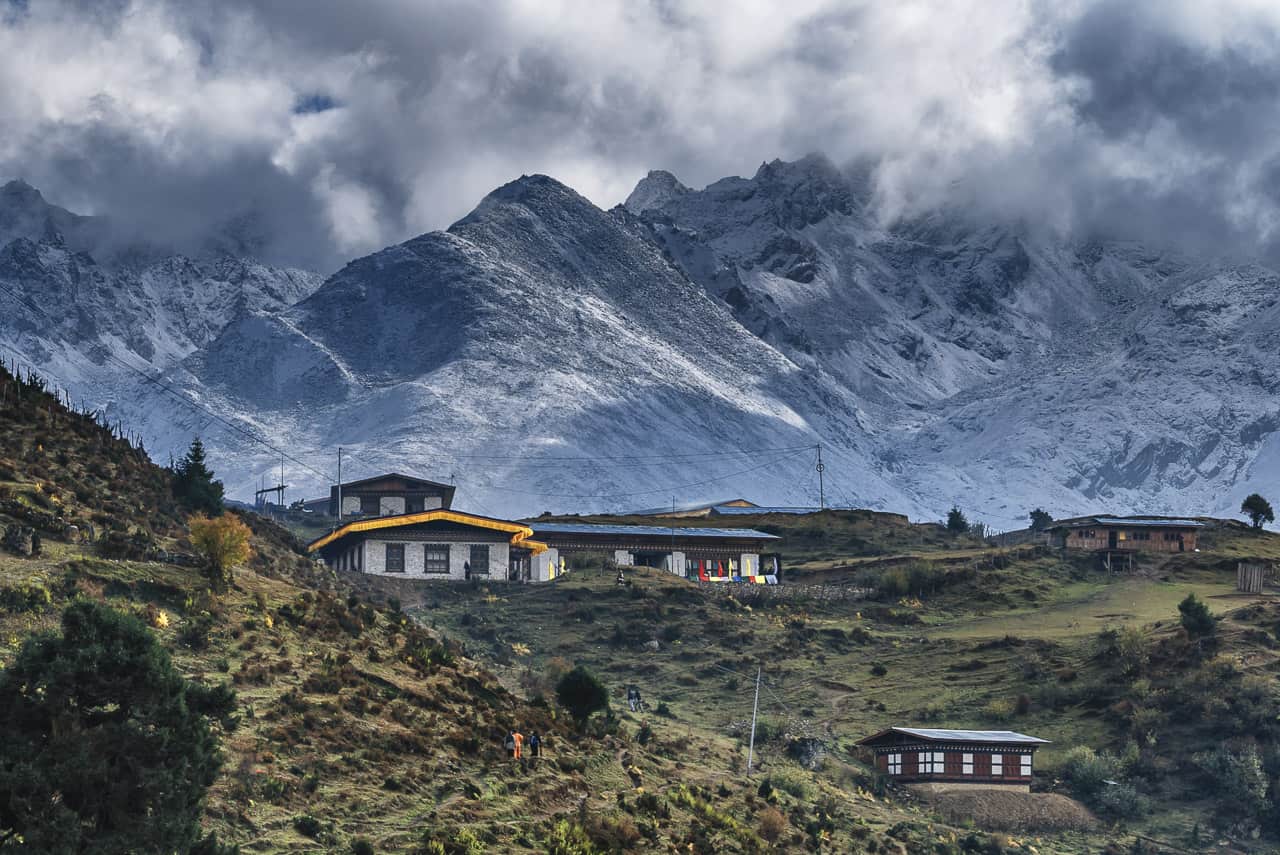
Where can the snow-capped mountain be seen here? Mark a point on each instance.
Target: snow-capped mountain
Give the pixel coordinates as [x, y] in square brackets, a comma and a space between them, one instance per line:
[547, 354]
[78, 319]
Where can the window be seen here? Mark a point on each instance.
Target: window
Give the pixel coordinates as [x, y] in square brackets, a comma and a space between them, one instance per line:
[966, 764]
[1026, 765]
[931, 762]
[395, 558]
[895, 764]
[435, 558]
[997, 765]
[480, 559]
[369, 505]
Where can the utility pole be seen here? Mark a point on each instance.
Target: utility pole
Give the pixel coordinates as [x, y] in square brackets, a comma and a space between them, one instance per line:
[673, 535]
[282, 514]
[339, 486]
[822, 493]
[751, 747]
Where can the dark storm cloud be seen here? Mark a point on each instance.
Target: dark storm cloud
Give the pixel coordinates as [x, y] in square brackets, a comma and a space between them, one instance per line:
[340, 127]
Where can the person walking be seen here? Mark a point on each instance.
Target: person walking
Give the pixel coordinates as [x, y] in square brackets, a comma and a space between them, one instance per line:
[519, 740]
[510, 744]
[535, 746]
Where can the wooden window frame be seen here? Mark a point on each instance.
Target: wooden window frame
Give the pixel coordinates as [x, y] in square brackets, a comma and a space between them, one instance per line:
[475, 565]
[997, 765]
[431, 566]
[966, 763]
[893, 763]
[1024, 765]
[386, 565]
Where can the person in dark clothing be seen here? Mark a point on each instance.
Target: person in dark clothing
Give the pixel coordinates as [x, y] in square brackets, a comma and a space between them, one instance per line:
[510, 744]
[466, 570]
[535, 745]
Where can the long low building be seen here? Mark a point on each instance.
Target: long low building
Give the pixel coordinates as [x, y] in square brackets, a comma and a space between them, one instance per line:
[436, 544]
[708, 554]
[453, 545]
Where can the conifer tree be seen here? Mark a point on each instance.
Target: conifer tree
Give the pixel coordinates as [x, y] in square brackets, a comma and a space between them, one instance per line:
[107, 748]
[193, 482]
[956, 523]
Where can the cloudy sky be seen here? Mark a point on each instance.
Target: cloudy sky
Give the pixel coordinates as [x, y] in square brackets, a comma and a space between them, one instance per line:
[340, 127]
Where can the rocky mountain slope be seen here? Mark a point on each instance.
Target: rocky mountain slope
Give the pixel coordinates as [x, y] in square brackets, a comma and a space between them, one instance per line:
[547, 354]
[77, 303]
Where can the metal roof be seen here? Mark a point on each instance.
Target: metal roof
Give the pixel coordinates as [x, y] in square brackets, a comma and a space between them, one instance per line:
[1123, 521]
[1129, 521]
[696, 506]
[969, 735]
[540, 528]
[727, 510]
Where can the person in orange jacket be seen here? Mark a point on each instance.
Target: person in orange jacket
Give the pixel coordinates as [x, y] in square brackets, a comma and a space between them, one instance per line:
[519, 740]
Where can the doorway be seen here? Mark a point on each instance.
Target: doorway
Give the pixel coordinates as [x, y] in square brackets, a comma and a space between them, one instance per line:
[1113, 539]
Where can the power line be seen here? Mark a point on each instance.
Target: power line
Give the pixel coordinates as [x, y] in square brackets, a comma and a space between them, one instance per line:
[665, 489]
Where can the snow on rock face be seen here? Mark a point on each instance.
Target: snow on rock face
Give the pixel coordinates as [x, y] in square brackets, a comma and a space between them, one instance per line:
[654, 190]
[536, 326]
[150, 316]
[551, 355]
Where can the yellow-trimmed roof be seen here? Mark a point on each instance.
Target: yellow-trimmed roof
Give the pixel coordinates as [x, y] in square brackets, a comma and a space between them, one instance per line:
[520, 533]
[537, 547]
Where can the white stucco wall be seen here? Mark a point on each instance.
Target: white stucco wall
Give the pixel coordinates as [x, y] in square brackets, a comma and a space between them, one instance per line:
[624, 558]
[544, 567]
[676, 563]
[375, 554]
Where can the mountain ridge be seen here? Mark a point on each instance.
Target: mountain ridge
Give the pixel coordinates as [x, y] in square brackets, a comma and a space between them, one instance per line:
[938, 361]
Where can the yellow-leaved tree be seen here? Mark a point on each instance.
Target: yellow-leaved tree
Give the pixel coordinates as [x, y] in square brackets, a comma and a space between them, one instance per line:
[223, 543]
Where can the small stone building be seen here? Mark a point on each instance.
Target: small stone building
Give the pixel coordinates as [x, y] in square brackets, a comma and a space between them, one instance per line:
[436, 544]
[1127, 534]
[387, 495]
[948, 759]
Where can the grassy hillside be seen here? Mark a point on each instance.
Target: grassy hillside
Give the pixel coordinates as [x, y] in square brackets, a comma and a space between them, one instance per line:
[360, 730]
[1026, 639]
[372, 711]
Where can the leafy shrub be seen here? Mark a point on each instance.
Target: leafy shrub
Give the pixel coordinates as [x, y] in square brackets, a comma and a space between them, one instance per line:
[772, 824]
[582, 694]
[361, 846]
[308, 826]
[878, 669]
[25, 598]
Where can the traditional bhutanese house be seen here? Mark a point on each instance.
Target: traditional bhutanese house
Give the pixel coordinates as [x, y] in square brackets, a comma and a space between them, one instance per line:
[707, 554]
[1127, 534]
[955, 758]
[386, 495]
[435, 544]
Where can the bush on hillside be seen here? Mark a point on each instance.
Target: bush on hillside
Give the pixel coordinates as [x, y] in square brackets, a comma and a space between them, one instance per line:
[1196, 618]
[582, 694]
[223, 543]
[115, 751]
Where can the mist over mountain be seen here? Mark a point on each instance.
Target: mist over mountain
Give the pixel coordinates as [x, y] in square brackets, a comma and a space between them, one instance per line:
[547, 354]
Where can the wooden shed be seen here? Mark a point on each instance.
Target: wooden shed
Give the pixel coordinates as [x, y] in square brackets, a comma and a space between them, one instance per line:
[990, 758]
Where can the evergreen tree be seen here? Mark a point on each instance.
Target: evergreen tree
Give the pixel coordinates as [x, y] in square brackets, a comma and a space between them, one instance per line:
[1258, 510]
[1196, 618]
[956, 523]
[193, 482]
[581, 694]
[1040, 519]
[107, 748]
